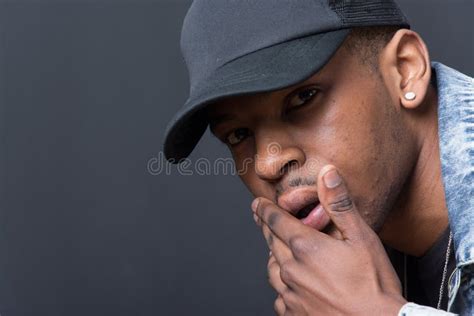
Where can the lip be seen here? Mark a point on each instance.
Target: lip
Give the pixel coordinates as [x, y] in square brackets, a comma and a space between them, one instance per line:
[296, 199]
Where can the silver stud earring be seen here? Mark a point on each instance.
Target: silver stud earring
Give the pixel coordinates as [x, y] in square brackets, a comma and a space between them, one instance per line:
[410, 96]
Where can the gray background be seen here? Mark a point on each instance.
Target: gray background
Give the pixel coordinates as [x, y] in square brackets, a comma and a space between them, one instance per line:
[86, 89]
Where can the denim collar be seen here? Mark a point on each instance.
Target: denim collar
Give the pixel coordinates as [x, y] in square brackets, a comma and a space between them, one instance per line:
[456, 137]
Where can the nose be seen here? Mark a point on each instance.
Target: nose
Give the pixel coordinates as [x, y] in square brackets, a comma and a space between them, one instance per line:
[275, 158]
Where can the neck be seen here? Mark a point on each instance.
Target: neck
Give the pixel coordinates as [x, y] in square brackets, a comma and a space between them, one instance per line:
[420, 214]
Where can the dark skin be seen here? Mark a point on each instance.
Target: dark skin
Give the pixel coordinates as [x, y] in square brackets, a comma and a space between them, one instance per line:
[352, 124]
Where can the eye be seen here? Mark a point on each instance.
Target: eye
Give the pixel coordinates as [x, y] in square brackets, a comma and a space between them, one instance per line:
[301, 97]
[237, 135]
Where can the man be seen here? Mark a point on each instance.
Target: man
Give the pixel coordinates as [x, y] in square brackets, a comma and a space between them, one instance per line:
[350, 139]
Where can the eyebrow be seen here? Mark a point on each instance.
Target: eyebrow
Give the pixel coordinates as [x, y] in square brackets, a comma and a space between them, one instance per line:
[217, 120]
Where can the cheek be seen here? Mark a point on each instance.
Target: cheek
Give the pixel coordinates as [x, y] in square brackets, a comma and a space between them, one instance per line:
[347, 133]
[355, 134]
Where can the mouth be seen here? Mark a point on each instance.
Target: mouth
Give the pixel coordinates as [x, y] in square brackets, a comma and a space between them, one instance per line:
[306, 210]
[303, 203]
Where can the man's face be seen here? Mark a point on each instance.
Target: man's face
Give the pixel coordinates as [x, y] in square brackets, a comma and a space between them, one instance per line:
[344, 116]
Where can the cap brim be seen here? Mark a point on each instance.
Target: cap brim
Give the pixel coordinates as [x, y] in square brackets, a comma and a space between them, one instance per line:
[268, 69]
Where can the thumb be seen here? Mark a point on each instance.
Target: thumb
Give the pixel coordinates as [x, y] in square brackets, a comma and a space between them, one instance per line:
[338, 204]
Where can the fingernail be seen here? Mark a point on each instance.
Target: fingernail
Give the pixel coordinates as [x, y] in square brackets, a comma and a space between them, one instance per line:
[270, 253]
[255, 204]
[332, 179]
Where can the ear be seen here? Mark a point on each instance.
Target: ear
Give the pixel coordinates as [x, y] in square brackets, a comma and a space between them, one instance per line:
[406, 68]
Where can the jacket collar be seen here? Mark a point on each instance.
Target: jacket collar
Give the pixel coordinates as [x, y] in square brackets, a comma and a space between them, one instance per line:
[456, 137]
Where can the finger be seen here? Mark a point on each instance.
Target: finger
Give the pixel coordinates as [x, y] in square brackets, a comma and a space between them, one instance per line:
[284, 270]
[274, 276]
[293, 304]
[278, 248]
[279, 306]
[338, 203]
[283, 225]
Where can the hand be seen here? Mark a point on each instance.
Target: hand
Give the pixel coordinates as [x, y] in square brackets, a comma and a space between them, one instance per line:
[316, 274]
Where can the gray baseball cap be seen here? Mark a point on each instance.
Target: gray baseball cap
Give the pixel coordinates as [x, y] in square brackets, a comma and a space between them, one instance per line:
[237, 47]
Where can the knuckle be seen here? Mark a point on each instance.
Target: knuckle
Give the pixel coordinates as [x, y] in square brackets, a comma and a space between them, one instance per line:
[341, 202]
[287, 272]
[279, 305]
[276, 307]
[269, 213]
[273, 219]
[299, 245]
